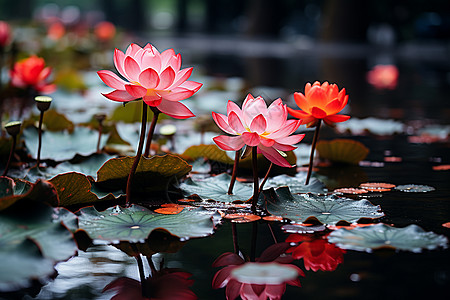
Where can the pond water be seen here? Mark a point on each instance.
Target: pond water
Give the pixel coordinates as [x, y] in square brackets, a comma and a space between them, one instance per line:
[419, 100]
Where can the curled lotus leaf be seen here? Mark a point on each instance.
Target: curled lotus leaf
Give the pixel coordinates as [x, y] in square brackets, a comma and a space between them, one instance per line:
[152, 174]
[216, 188]
[411, 238]
[135, 223]
[73, 189]
[62, 145]
[328, 209]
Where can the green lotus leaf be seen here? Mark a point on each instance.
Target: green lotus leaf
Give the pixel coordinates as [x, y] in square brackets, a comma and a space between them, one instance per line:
[296, 183]
[42, 224]
[88, 166]
[134, 224]
[216, 188]
[15, 190]
[20, 263]
[211, 152]
[152, 174]
[411, 238]
[328, 209]
[62, 145]
[73, 189]
[53, 121]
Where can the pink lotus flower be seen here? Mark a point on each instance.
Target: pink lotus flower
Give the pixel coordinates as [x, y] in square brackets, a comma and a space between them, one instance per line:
[267, 128]
[32, 73]
[154, 77]
[5, 34]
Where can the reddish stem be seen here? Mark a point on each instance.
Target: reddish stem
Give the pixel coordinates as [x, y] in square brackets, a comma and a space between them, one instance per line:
[234, 173]
[255, 178]
[313, 147]
[261, 186]
[38, 158]
[156, 113]
[138, 154]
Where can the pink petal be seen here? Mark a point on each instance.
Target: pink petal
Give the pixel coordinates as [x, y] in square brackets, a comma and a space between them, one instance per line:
[221, 278]
[181, 77]
[112, 80]
[275, 291]
[235, 123]
[229, 143]
[233, 290]
[44, 73]
[231, 106]
[46, 88]
[258, 125]
[121, 96]
[191, 85]
[253, 107]
[276, 115]
[226, 259]
[135, 90]
[166, 78]
[152, 100]
[132, 49]
[149, 78]
[291, 140]
[151, 59]
[119, 58]
[251, 138]
[166, 56]
[221, 121]
[177, 94]
[273, 155]
[175, 110]
[132, 69]
[267, 142]
[282, 147]
[290, 127]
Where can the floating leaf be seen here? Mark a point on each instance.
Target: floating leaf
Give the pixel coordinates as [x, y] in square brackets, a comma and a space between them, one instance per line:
[61, 145]
[53, 121]
[296, 184]
[328, 209]
[20, 263]
[411, 238]
[377, 185]
[135, 223]
[242, 218]
[73, 189]
[152, 174]
[301, 229]
[88, 166]
[15, 190]
[352, 191]
[415, 188]
[216, 188]
[41, 223]
[342, 151]
[211, 152]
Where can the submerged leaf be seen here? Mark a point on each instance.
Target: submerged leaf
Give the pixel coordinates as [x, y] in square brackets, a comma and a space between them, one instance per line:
[216, 188]
[411, 238]
[135, 223]
[328, 209]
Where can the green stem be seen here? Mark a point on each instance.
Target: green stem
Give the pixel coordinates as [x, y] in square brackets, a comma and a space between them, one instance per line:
[313, 147]
[38, 158]
[156, 113]
[138, 154]
[255, 178]
[11, 152]
[234, 173]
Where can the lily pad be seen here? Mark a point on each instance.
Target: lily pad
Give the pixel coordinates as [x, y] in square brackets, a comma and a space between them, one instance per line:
[328, 209]
[411, 238]
[62, 145]
[134, 224]
[21, 263]
[41, 223]
[296, 183]
[152, 174]
[73, 189]
[15, 190]
[415, 188]
[216, 188]
[88, 167]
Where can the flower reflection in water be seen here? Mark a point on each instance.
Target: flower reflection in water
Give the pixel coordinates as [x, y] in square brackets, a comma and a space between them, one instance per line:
[317, 253]
[264, 279]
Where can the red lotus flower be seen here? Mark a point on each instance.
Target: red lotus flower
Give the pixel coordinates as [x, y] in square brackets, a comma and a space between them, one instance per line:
[167, 284]
[5, 34]
[267, 128]
[154, 77]
[32, 73]
[317, 254]
[383, 77]
[320, 102]
[105, 31]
